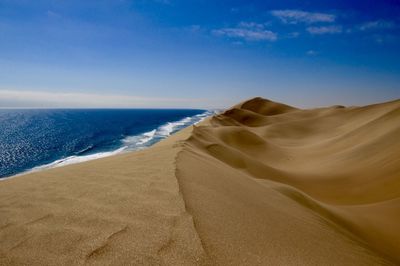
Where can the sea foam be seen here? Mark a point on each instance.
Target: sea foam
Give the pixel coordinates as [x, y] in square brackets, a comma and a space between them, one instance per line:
[146, 139]
[131, 143]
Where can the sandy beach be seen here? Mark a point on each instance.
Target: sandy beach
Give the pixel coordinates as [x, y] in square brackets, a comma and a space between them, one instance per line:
[263, 183]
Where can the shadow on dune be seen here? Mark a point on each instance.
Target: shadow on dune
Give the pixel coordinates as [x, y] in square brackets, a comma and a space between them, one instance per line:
[341, 163]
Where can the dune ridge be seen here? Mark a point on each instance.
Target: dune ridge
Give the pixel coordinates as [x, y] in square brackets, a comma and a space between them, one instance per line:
[261, 184]
[337, 167]
[121, 210]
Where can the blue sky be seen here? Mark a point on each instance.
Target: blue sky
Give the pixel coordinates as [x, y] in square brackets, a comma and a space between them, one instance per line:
[182, 53]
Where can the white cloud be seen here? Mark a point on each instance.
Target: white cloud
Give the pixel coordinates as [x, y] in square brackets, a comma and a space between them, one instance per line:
[298, 16]
[325, 29]
[43, 99]
[376, 25]
[248, 35]
[249, 31]
[252, 25]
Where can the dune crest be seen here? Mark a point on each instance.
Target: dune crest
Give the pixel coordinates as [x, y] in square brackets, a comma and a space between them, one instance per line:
[263, 175]
[263, 183]
[120, 210]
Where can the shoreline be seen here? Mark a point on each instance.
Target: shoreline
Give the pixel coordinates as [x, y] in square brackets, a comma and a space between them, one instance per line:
[71, 210]
[121, 150]
[253, 185]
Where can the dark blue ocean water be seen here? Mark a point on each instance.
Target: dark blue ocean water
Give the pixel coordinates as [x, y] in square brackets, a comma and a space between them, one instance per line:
[37, 139]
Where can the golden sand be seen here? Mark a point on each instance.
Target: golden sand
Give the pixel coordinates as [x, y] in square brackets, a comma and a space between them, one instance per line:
[261, 184]
[121, 210]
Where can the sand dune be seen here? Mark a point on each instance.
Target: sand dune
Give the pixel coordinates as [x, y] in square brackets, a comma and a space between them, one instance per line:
[121, 210]
[261, 184]
[272, 183]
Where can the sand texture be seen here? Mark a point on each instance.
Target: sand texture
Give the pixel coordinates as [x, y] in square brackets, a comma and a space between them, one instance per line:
[261, 184]
[121, 210]
[270, 184]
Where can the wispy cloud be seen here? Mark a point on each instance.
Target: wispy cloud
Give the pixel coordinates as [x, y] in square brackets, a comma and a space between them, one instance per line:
[248, 31]
[291, 16]
[312, 53]
[52, 14]
[325, 29]
[292, 35]
[377, 25]
[41, 99]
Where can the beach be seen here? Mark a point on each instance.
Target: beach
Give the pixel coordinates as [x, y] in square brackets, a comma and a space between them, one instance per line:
[262, 183]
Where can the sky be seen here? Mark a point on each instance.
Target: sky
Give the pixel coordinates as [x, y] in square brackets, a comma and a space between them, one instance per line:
[197, 53]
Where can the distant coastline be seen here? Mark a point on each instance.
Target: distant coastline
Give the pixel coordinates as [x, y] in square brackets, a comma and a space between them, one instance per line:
[260, 183]
[124, 139]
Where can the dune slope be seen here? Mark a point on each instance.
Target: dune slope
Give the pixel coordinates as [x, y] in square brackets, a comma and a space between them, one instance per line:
[268, 183]
[121, 210]
[261, 184]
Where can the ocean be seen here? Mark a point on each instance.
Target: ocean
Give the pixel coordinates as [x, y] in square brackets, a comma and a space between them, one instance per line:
[31, 140]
